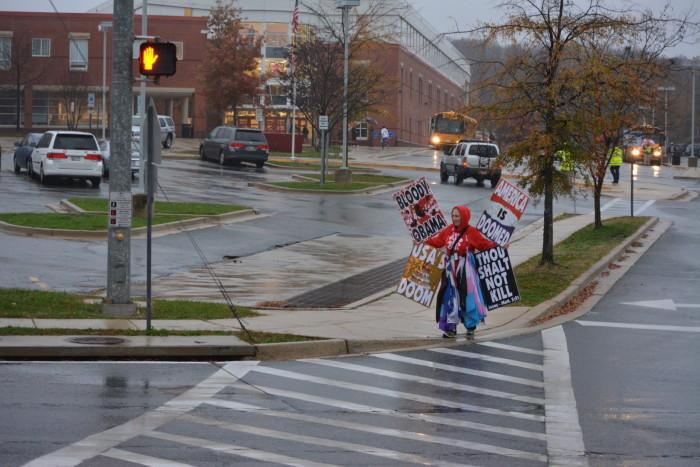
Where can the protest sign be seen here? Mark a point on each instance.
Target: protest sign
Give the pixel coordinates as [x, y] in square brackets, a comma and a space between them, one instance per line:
[421, 276]
[419, 210]
[508, 203]
[496, 277]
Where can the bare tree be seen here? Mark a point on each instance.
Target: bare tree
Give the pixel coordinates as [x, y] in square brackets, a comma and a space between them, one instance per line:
[72, 95]
[319, 57]
[24, 69]
[537, 87]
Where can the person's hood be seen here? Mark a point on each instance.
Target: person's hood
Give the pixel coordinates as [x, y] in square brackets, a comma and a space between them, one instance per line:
[466, 215]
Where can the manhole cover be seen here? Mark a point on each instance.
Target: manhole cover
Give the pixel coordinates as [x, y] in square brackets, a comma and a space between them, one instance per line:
[97, 340]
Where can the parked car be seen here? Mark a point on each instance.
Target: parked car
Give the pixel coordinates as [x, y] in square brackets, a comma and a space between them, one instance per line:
[167, 129]
[696, 150]
[23, 150]
[105, 149]
[231, 144]
[468, 158]
[69, 154]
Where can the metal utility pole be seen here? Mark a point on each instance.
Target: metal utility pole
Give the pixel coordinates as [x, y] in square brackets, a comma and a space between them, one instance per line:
[665, 90]
[118, 300]
[345, 6]
[692, 120]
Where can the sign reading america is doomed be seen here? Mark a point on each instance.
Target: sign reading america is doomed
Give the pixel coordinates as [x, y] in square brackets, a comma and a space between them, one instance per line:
[508, 203]
[496, 277]
[419, 210]
[421, 276]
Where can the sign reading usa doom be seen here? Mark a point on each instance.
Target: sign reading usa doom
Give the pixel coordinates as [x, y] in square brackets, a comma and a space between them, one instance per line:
[508, 203]
[420, 210]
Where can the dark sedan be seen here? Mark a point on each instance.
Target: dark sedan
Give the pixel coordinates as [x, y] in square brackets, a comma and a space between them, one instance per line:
[231, 144]
[23, 150]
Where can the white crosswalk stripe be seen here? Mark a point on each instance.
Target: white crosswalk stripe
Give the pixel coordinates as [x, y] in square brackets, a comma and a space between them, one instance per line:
[457, 369]
[142, 459]
[488, 358]
[396, 394]
[438, 420]
[513, 348]
[352, 447]
[236, 450]
[430, 381]
[481, 447]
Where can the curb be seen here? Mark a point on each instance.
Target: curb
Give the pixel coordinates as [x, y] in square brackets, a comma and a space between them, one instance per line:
[138, 232]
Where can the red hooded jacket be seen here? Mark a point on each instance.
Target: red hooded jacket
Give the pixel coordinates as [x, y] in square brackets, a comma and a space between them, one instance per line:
[471, 240]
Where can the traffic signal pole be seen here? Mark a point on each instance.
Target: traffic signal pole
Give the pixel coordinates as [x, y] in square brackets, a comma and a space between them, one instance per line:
[118, 300]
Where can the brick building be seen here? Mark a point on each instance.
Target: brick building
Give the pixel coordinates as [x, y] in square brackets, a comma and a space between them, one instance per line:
[60, 59]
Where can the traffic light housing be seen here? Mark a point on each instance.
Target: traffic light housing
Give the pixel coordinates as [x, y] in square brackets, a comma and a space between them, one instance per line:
[157, 59]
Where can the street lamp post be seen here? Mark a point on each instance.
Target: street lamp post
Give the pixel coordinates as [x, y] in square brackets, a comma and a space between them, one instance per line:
[102, 27]
[692, 124]
[665, 90]
[345, 5]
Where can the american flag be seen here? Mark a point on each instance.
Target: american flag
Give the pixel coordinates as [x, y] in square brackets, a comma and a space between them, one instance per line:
[295, 17]
[295, 25]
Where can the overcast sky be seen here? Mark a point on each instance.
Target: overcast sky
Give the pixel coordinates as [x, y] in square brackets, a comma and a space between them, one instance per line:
[444, 15]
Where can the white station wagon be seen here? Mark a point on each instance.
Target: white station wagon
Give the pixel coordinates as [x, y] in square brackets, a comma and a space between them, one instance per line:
[69, 154]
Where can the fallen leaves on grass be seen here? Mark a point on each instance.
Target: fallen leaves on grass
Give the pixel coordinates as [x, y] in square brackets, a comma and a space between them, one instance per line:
[569, 306]
[274, 304]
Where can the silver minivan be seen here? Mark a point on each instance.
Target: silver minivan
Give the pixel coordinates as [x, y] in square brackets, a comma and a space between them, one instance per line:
[167, 129]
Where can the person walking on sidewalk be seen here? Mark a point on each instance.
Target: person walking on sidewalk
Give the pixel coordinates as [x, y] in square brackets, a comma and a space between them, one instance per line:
[459, 297]
[615, 163]
[385, 136]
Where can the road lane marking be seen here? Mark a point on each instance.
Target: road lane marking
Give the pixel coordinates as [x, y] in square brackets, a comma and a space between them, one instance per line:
[142, 459]
[324, 442]
[428, 381]
[514, 348]
[424, 437]
[644, 207]
[98, 443]
[457, 369]
[664, 304]
[644, 327]
[488, 358]
[432, 401]
[361, 408]
[607, 205]
[235, 450]
[564, 437]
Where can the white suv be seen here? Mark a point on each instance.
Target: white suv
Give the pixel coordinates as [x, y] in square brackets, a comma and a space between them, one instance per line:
[167, 129]
[69, 154]
[468, 158]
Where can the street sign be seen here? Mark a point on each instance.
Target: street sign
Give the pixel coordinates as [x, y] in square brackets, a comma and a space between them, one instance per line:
[120, 208]
[323, 122]
[91, 100]
[157, 59]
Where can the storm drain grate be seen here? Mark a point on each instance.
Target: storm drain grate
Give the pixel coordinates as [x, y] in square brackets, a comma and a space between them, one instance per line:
[97, 340]
[352, 289]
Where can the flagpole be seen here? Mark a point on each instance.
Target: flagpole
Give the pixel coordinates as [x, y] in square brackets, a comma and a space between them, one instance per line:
[292, 60]
[294, 113]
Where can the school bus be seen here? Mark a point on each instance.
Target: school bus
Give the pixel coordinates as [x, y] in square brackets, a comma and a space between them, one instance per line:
[447, 128]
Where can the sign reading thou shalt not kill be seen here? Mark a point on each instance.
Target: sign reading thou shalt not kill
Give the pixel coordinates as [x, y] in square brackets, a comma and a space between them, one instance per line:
[419, 210]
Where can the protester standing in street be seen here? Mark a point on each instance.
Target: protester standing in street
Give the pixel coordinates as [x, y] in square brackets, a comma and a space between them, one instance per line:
[615, 163]
[459, 298]
[385, 136]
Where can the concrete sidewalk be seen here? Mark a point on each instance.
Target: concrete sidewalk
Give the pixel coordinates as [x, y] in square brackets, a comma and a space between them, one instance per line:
[381, 322]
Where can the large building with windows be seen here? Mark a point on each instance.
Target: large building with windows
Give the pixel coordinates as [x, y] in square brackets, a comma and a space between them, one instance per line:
[57, 61]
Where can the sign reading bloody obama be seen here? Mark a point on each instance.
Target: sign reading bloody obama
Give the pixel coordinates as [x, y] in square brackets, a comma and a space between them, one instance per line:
[419, 210]
[508, 203]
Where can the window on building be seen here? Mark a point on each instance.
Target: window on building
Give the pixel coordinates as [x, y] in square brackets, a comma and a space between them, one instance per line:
[430, 92]
[41, 47]
[78, 54]
[5, 51]
[420, 90]
[410, 83]
[361, 131]
[8, 107]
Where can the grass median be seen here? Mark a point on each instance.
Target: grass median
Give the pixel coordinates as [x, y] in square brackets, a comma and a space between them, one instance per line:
[95, 217]
[359, 182]
[574, 256]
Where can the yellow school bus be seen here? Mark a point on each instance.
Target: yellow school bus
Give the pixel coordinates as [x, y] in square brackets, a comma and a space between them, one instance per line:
[447, 128]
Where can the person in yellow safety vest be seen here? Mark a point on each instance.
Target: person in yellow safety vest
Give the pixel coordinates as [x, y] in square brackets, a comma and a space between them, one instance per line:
[615, 163]
[565, 162]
